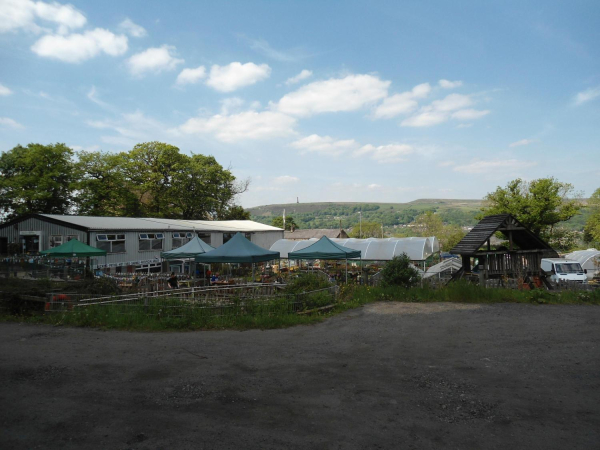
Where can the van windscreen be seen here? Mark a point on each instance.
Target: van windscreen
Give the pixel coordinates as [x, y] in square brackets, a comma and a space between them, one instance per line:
[568, 268]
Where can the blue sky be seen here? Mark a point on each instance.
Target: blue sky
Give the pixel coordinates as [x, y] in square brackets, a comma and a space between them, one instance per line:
[325, 101]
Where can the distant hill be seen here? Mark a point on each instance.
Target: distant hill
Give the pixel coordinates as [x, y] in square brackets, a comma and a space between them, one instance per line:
[329, 214]
[391, 215]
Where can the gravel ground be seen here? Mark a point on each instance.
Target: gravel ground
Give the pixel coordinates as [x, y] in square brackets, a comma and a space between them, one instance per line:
[389, 376]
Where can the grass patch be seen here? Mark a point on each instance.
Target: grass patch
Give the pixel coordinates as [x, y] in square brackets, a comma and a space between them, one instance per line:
[464, 292]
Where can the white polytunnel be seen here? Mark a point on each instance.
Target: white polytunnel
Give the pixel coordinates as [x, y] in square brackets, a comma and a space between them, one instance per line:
[589, 260]
[372, 249]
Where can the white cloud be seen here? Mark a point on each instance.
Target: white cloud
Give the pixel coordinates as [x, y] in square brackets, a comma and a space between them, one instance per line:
[93, 96]
[75, 48]
[132, 29]
[587, 95]
[131, 128]
[4, 90]
[154, 59]
[446, 84]
[242, 126]
[452, 102]
[464, 125]
[425, 119]
[374, 186]
[469, 114]
[23, 14]
[391, 153]
[231, 105]
[522, 142]
[301, 76]
[286, 179]
[483, 167]
[8, 122]
[446, 163]
[441, 111]
[324, 144]
[191, 76]
[336, 94]
[236, 75]
[401, 103]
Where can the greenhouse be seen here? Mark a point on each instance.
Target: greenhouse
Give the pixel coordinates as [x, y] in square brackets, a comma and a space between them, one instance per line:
[372, 249]
[589, 260]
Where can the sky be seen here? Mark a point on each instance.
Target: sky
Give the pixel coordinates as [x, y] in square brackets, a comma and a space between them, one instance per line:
[341, 101]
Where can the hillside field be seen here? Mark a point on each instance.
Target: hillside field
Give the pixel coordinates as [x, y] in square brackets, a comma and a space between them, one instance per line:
[329, 214]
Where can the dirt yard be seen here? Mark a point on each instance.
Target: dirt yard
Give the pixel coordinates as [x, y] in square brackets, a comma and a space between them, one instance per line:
[387, 376]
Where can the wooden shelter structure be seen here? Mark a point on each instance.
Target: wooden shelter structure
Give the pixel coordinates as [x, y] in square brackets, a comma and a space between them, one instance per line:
[522, 258]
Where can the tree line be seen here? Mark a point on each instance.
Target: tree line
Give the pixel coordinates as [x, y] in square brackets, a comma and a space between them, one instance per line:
[153, 179]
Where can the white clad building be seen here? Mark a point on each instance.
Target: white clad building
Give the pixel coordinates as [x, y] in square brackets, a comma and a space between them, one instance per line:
[129, 241]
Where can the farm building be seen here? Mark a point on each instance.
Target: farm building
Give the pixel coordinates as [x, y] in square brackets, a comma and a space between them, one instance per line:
[132, 242]
[589, 260]
[315, 233]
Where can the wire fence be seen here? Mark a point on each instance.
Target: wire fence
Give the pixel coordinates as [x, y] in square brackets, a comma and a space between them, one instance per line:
[202, 302]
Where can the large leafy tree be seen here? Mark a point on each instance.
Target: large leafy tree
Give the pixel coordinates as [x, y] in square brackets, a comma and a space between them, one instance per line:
[592, 227]
[431, 224]
[173, 185]
[539, 204]
[151, 170]
[289, 222]
[36, 179]
[366, 230]
[102, 189]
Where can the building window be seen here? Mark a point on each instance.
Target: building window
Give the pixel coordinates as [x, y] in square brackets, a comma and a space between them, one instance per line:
[111, 243]
[205, 237]
[180, 239]
[71, 237]
[55, 241]
[248, 236]
[151, 241]
[227, 237]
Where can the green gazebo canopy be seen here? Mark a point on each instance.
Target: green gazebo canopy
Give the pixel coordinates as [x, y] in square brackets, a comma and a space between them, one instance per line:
[325, 248]
[74, 248]
[237, 250]
[193, 248]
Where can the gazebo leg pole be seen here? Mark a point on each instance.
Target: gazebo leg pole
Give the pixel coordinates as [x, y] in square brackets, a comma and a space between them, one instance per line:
[346, 271]
[252, 272]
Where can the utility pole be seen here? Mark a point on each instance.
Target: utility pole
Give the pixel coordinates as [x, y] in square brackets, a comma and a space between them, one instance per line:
[360, 225]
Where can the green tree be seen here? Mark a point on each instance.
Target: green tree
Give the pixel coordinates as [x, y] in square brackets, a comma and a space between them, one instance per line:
[36, 179]
[170, 184]
[151, 169]
[592, 226]
[539, 205]
[236, 212]
[366, 230]
[431, 224]
[277, 221]
[400, 272]
[103, 189]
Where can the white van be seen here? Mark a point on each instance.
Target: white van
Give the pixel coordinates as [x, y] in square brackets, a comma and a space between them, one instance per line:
[561, 269]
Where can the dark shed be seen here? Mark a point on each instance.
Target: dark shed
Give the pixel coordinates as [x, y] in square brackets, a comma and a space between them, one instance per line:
[522, 257]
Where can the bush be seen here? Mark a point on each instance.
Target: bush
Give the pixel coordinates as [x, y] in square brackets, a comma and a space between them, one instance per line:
[400, 272]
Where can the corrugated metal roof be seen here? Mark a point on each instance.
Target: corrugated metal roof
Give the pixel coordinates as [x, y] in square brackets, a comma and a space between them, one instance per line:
[148, 223]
